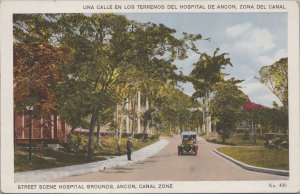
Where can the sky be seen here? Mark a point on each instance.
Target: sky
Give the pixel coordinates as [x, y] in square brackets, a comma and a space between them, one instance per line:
[251, 39]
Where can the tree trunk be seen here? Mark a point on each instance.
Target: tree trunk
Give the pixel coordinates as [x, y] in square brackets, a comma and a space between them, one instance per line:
[133, 123]
[254, 134]
[98, 132]
[145, 126]
[205, 114]
[119, 141]
[63, 128]
[90, 154]
[181, 128]
[55, 125]
[224, 136]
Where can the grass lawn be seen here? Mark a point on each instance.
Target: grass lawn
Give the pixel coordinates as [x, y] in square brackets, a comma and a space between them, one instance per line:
[110, 146]
[65, 159]
[259, 156]
[239, 141]
[166, 134]
[61, 159]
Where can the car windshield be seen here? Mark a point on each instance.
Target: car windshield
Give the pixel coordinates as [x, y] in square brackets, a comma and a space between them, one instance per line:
[188, 140]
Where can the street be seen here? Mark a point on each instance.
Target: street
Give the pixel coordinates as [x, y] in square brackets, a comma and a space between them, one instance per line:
[168, 166]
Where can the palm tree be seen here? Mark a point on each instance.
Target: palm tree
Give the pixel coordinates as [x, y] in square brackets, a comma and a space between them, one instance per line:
[206, 73]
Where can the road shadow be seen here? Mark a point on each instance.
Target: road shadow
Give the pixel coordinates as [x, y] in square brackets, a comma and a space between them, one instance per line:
[117, 170]
[140, 162]
[149, 161]
[187, 155]
[163, 156]
[113, 172]
[123, 168]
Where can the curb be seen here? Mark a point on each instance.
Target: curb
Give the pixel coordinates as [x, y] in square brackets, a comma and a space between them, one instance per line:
[254, 168]
[60, 172]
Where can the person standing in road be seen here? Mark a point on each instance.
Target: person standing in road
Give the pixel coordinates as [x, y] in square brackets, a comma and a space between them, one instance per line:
[129, 148]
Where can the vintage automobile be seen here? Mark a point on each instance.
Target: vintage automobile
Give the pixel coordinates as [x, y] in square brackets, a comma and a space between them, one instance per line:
[188, 143]
[276, 140]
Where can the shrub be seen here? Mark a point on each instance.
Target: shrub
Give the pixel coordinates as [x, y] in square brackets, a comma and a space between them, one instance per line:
[154, 136]
[126, 135]
[74, 142]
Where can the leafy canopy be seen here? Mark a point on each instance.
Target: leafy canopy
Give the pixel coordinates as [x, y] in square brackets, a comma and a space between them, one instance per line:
[275, 78]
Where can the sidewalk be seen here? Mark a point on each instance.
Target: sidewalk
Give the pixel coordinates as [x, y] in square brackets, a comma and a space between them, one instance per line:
[55, 173]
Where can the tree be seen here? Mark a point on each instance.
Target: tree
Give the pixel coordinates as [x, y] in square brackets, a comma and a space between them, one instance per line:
[226, 106]
[96, 65]
[106, 47]
[36, 74]
[177, 109]
[275, 78]
[33, 28]
[196, 119]
[274, 120]
[103, 49]
[205, 74]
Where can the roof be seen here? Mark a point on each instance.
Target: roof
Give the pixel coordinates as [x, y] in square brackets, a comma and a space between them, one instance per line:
[248, 105]
[188, 133]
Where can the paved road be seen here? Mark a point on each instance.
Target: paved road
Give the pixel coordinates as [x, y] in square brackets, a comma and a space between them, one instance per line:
[167, 165]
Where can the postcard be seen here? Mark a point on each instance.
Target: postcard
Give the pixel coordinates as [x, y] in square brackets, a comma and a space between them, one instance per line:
[150, 96]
